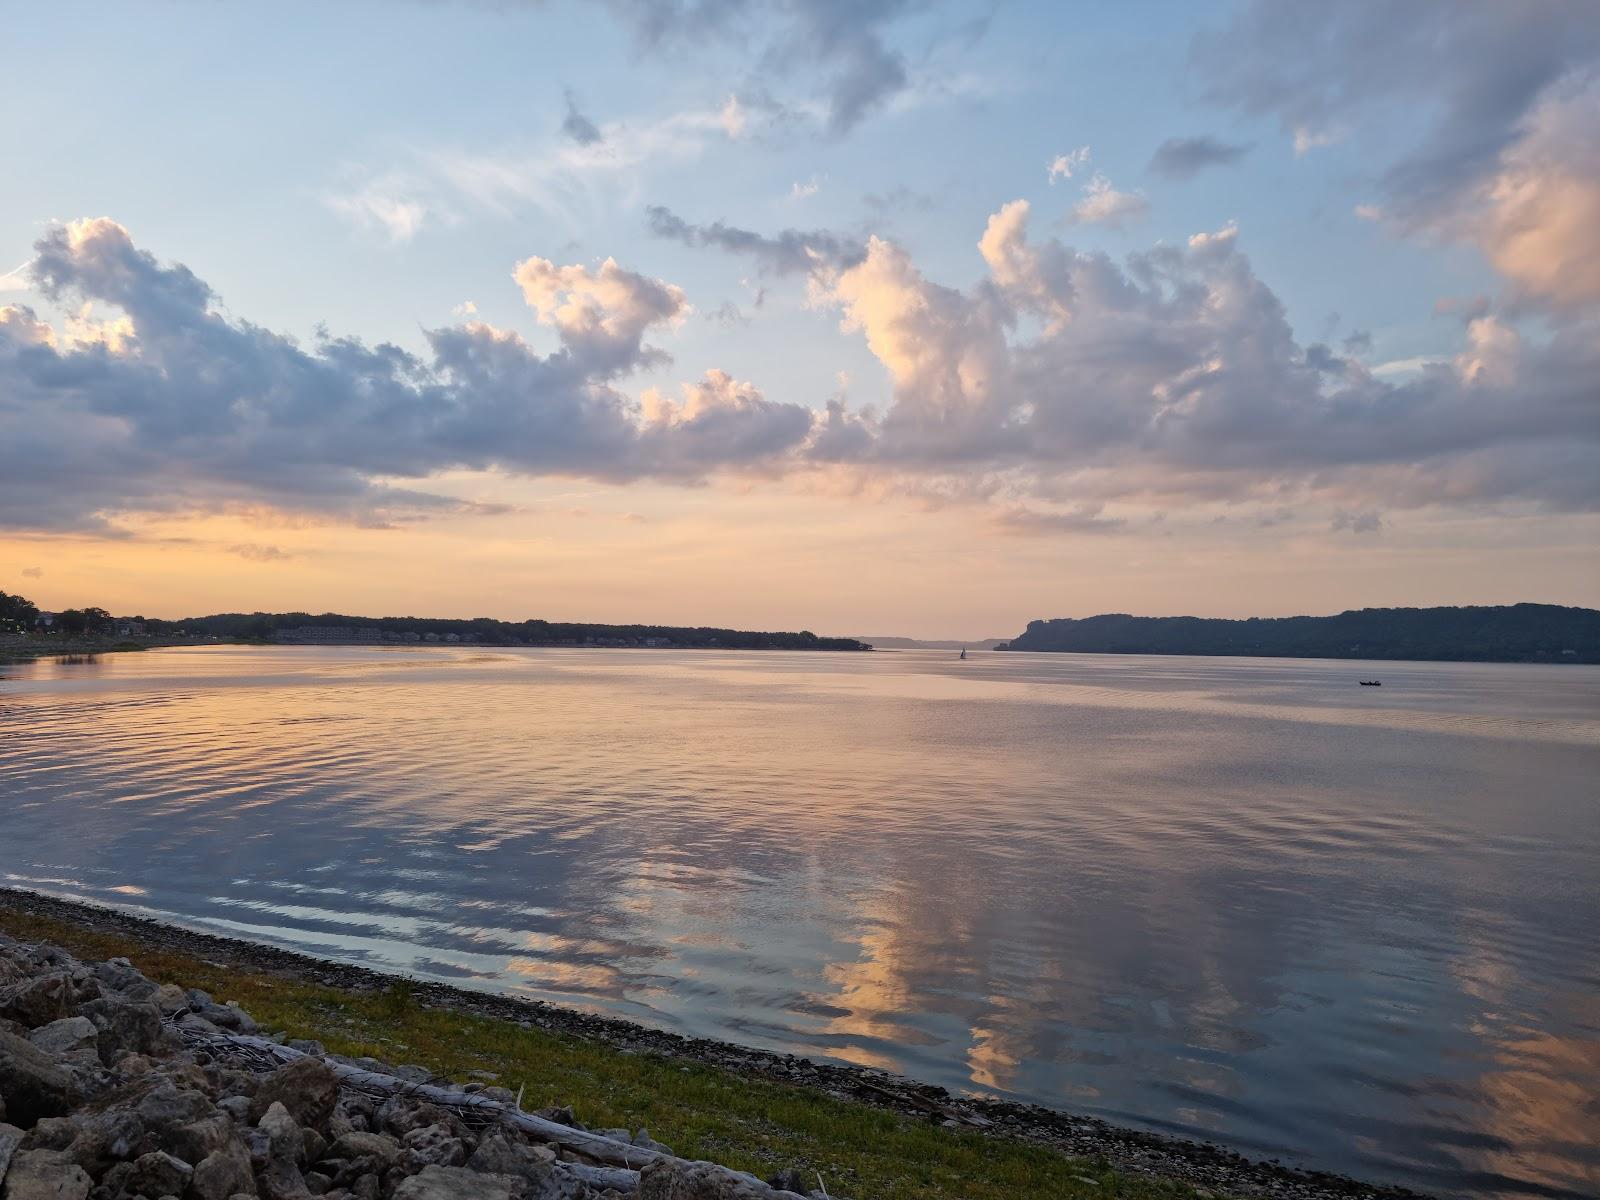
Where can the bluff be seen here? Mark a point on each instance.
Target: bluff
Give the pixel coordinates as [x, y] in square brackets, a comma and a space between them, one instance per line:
[1504, 633]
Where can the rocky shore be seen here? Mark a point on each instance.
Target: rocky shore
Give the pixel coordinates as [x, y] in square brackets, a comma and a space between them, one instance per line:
[114, 1087]
[84, 1046]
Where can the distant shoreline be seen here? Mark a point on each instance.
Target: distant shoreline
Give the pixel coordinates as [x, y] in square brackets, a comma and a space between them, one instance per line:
[1508, 633]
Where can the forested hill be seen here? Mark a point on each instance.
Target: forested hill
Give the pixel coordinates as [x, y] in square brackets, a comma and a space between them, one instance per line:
[1505, 633]
[337, 627]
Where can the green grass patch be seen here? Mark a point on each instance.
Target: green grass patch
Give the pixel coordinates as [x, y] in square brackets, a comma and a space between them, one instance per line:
[859, 1151]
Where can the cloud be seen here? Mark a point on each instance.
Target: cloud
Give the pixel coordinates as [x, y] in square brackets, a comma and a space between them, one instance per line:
[1063, 165]
[601, 315]
[720, 420]
[564, 178]
[577, 126]
[33, 572]
[192, 411]
[1539, 218]
[1033, 522]
[1063, 381]
[804, 191]
[789, 252]
[1176, 378]
[1369, 521]
[842, 45]
[383, 205]
[899, 198]
[14, 280]
[1102, 204]
[1185, 157]
[259, 553]
[1507, 104]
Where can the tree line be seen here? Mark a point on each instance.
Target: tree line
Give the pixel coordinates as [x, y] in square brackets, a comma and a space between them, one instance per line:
[18, 615]
[1502, 633]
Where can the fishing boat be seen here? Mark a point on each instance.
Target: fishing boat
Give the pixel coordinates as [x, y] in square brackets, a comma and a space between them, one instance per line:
[1370, 682]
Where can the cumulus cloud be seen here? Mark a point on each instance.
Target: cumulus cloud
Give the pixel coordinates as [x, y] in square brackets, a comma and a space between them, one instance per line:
[1184, 157]
[1177, 376]
[601, 315]
[1509, 107]
[1102, 204]
[1539, 217]
[194, 411]
[1060, 383]
[788, 252]
[720, 420]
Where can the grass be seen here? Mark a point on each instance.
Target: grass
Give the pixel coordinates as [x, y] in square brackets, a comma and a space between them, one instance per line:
[859, 1151]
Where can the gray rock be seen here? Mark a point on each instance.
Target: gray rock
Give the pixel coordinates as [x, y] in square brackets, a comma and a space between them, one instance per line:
[35, 1086]
[453, 1183]
[281, 1179]
[223, 1173]
[170, 999]
[10, 1139]
[284, 1133]
[228, 1016]
[306, 1087]
[73, 1038]
[51, 1133]
[166, 1107]
[366, 1147]
[105, 1138]
[125, 1026]
[237, 1107]
[120, 975]
[159, 1174]
[37, 1000]
[532, 1166]
[46, 1175]
[193, 1141]
[432, 1145]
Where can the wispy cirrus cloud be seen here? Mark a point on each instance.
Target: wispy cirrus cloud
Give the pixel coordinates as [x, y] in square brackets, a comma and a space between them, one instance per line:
[563, 176]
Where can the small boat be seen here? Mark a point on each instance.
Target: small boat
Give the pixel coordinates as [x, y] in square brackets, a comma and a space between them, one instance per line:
[963, 655]
[1370, 682]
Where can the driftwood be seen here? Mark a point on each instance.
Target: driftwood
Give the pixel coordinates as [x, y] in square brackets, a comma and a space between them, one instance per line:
[615, 1164]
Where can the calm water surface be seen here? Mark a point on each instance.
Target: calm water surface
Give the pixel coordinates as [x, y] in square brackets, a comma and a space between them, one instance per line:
[1247, 900]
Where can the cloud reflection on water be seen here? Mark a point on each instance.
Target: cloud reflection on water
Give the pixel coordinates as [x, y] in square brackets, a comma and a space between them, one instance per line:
[1323, 926]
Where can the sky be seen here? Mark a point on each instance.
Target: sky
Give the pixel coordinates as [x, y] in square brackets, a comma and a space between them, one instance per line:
[861, 316]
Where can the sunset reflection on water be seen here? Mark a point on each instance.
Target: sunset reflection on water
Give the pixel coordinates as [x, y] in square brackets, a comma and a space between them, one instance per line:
[1243, 900]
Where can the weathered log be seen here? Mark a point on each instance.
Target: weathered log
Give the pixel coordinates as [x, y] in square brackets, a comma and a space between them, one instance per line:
[618, 1162]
